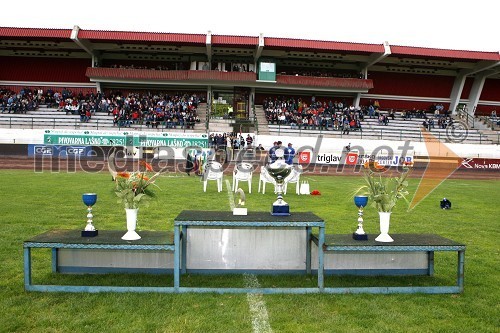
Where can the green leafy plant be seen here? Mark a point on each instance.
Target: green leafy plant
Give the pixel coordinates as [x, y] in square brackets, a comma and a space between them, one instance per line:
[384, 192]
[132, 187]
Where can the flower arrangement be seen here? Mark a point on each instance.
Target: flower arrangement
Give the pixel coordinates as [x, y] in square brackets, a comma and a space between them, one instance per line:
[133, 187]
[384, 193]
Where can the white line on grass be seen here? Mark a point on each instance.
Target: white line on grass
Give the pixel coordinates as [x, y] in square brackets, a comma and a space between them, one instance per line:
[258, 310]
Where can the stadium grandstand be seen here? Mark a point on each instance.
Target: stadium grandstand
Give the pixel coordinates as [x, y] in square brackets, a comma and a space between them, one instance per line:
[203, 83]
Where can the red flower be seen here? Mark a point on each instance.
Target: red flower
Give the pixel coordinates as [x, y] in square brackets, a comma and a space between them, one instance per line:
[315, 192]
[123, 174]
[145, 164]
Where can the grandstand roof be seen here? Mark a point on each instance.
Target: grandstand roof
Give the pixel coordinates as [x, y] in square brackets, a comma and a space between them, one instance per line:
[141, 36]
[245, 41]
[322, 45]
[35, 33]
[443, 53]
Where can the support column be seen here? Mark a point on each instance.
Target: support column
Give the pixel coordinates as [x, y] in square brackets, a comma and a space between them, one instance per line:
[475, 93]
[357, 99]
[209, 104]
[209, 95]
[251, 101]
[456, 92]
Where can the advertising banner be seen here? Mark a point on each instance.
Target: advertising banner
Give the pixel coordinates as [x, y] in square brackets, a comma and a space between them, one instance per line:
[59, 151]
[114, 138]
[480, 163]
[354, 158]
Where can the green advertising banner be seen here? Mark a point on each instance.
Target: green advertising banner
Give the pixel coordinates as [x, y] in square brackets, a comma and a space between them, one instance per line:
[136, 139]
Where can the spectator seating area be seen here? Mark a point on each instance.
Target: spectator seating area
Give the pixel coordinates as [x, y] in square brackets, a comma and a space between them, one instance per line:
[36, 108]
[371, 124]
[318, 115]
[107, 112]
[22, 102]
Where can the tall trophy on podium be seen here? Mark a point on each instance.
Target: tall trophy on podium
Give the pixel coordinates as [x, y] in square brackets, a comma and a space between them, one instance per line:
[89, 199]
[279, 170]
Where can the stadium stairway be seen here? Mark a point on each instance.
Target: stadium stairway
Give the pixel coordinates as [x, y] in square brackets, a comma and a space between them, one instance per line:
[263, 128]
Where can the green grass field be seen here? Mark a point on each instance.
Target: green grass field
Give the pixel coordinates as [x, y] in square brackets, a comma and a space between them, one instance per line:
[37, 202]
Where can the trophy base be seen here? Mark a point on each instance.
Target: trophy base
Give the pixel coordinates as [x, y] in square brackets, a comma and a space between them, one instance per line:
[283, 210]
[240, 211]
[359, 237]
[89, 233]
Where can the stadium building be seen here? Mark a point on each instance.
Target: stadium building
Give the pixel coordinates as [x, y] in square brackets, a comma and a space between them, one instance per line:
[241, 72]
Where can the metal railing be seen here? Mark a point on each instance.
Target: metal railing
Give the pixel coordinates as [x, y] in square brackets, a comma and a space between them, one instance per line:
[37, 123]
[464, 115]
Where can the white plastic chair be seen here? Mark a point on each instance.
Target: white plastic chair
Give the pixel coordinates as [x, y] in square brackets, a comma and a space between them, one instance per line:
[213, 171]
[293, 177]
[265, 178]
[243, 171]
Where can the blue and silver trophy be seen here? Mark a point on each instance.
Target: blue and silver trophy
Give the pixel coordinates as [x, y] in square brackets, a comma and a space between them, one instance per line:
[89, 199]
[360, 201]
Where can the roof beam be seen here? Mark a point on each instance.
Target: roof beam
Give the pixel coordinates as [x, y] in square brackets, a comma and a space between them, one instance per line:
[85, 45]
[492, 72]
[480, 67]
[260, 47]
[208, 42]
[375, 58]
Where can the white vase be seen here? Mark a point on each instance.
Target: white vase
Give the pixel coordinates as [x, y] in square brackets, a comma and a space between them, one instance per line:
[131, 225]
[385, 218]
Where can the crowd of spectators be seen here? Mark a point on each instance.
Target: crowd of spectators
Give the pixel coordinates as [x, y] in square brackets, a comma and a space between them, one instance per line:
[150, 109]
[174, 111]
[331, 115]
[442, 122]
[26, 100]
[322, 73]
[231, 140]
[29, 99]
[161, 67]
[144, 108]
[239, 68]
